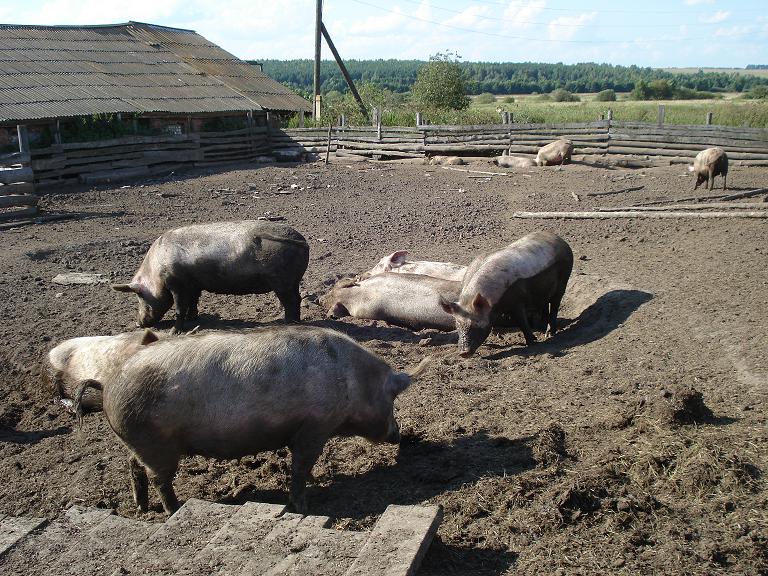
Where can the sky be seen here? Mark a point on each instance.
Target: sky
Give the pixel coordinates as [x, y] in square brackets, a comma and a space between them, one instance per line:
[671, 33]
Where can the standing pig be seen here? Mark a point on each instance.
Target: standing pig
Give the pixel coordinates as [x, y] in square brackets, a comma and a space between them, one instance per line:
[397, 263]
[244, 257]
[557, 152]
[527, 278]
[409, 300]
[90, 358]
[228, 395]
[708, 164]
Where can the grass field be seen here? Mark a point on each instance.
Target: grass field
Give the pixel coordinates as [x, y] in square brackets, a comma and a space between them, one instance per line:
[730, 111]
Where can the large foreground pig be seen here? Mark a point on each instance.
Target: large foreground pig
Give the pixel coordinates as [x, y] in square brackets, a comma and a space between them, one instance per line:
[244, 257]
[409, 300]
[557, 152]
[99, 358]
[228, 395]
[708, 164]
[525, 279]
[397, 263]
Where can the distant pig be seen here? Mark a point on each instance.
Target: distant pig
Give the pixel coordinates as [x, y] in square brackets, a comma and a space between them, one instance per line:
[99, 358]
[408, 300]
[446, 161]
[525, 279]
[397, 263]
[507, 161]
[227, 395]
[557, 152]
[243, 257]
[708, 164]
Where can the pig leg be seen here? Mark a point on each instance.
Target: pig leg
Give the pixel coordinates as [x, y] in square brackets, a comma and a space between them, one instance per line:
[521, 318]
[161, 466]
[290, 298]
[724, 182]
[183, 302]
[305, 450]
[192, 313]
[711, 178]
[139, 485]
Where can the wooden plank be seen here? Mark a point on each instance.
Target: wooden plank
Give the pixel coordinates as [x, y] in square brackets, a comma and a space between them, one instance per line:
[639, 214]
[14, 158]
[20, 200]
[17, 188]
[11, 175]
[11, 214]
[709, 139]
[701, 206]
[679, 152]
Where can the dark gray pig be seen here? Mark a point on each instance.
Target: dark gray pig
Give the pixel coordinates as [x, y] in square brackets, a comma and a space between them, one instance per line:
[409, 300]
[244, 257]
[398, 263]
[708, 164]
[525, 279]
[99, 358]
[228, 395]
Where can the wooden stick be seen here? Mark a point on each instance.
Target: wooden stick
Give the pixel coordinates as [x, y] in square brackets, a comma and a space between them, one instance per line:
[723, 197]
[19, 200]
[702, 206]
[328, 148]
[606, 215]
[631, 189]
[473, 171]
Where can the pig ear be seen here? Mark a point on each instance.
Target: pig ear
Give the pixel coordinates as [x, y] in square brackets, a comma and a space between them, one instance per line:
[148, 337]
[132, 287]
[397, 259]
[480, 303]
[449, 307]
[396, 383]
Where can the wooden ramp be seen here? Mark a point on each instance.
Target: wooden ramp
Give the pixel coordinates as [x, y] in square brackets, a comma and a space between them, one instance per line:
[205, 538]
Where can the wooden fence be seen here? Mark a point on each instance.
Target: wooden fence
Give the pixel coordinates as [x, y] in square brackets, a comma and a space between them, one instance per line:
[17, 189]
[136, 156]
[670, 143]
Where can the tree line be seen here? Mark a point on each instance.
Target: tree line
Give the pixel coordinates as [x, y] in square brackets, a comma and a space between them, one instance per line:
[505, 78]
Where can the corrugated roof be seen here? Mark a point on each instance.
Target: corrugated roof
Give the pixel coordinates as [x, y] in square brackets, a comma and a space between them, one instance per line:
[57, 71]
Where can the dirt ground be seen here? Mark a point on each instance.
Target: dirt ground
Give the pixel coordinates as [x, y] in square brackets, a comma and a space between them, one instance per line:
[633, 442]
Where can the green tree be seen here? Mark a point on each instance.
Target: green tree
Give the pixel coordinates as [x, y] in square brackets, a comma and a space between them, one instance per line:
[440, 84]
[563, 95]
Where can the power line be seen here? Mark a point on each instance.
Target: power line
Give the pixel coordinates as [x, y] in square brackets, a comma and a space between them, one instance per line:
[610, 10]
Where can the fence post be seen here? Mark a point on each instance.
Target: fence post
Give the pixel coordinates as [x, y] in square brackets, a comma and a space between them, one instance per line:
[709, 118]
[610, 114]
[21, 130]
[419, 120]
[661, 114]
[301, 118]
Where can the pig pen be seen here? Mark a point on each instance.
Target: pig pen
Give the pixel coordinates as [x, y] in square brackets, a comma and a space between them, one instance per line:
[635, 441]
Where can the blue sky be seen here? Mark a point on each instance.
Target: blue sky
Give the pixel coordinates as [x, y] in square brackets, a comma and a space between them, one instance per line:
[676, 33]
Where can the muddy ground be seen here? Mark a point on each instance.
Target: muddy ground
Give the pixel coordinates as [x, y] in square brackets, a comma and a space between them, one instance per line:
[633, 442]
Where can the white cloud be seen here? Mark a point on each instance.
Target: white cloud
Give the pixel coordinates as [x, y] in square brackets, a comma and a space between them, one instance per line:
[733, 31]
[697, 2]
[519, 14]
[474, 17]
[718, 16]
[566, 27]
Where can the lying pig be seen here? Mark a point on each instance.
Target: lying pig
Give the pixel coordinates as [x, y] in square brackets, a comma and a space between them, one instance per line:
[708, 164]
[397, 263]
[408, 300]
[244, 257]
[527, 278]
[507, 161]
[89, 357]
[557, 152]
[446, 161]
[227, 395]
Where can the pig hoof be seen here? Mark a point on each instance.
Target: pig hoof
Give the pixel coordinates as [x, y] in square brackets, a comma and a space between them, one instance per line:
[175, 331]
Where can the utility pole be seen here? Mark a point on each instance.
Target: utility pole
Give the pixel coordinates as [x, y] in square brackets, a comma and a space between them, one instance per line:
[344, 72]
[318, 26]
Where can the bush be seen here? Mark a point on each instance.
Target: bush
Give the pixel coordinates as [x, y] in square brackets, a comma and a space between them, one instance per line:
[563, 95]
[757, 93]
[544, 98]
[485, 98]
[606, 96]
[508, 99]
